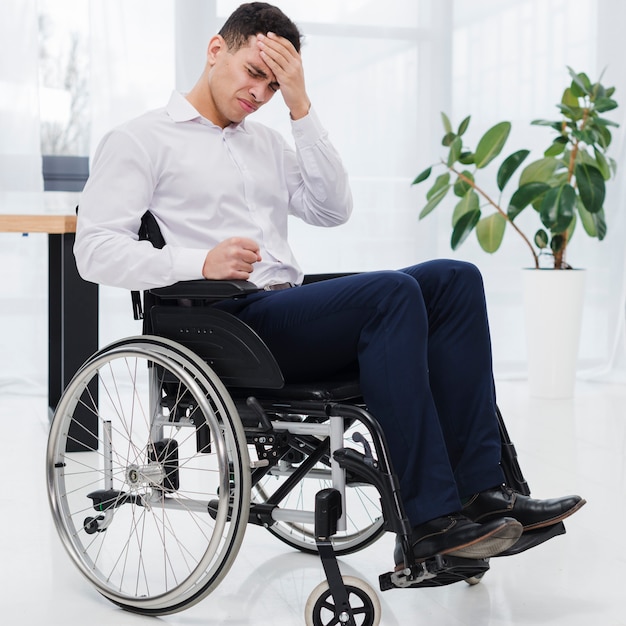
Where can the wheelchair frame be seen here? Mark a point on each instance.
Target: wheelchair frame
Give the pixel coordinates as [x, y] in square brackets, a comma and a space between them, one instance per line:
[198, 435]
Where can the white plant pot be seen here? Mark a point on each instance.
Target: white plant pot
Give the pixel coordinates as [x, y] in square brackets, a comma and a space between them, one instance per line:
[553, 305]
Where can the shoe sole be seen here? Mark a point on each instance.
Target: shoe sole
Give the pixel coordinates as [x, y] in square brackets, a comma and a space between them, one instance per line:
[484, 547]
[557, 519]
[499, 540]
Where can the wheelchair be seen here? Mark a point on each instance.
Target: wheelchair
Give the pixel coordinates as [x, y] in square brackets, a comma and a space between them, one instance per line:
[193, 434]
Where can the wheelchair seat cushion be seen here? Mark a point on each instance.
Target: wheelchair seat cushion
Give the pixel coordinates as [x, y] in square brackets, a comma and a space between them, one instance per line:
[334, 390]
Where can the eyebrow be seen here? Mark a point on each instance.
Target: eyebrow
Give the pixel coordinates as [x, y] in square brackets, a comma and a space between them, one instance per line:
[263, 74]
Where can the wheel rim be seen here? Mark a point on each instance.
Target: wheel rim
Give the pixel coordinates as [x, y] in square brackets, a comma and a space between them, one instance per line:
[156, 548]
[364, 604]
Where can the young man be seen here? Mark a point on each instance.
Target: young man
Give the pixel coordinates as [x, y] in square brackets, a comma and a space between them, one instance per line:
[221, 188]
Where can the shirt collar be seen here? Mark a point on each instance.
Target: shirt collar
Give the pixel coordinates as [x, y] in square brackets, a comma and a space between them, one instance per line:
[181, 110]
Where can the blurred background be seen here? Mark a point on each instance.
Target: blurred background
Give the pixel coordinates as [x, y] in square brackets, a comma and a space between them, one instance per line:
[379, 74]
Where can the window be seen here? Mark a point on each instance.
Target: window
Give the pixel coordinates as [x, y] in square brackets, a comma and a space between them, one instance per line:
[64, 77]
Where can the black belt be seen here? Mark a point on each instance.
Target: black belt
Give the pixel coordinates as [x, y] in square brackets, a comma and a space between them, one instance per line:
[278, 286]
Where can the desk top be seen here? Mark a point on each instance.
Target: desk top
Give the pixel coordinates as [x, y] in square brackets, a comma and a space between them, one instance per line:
[52, 212]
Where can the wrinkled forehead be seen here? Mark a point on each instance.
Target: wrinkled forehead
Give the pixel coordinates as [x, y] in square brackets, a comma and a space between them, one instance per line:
[251, 54]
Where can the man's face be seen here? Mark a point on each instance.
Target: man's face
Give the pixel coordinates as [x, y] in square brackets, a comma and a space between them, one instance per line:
[239, 83]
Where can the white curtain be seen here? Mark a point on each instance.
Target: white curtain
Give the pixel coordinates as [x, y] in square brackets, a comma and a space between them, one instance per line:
[22, 260]
[20, 156]
[132, 71]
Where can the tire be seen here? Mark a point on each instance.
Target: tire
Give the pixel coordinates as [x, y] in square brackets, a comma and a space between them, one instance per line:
[132, 509]
[365, 605]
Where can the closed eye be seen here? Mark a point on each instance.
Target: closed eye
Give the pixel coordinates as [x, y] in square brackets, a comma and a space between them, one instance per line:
[261, 75]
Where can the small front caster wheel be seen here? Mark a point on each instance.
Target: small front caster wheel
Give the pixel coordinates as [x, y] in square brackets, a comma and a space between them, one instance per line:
[474, 580]
[320, 608]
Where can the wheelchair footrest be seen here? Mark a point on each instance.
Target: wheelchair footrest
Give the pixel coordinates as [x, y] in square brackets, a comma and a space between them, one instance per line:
[435, 572]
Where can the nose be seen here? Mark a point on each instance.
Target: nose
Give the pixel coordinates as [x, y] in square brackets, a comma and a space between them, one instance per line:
[259, 93]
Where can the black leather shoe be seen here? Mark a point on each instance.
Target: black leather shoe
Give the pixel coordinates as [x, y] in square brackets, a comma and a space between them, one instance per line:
[530, 512]
[458, 536]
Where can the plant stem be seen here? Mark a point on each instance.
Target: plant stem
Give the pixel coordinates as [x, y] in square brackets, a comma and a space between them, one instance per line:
[495, 205]
[559, 257]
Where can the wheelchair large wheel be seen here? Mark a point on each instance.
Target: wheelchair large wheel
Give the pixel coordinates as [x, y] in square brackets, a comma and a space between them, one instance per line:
[153, 508]
[364, 518]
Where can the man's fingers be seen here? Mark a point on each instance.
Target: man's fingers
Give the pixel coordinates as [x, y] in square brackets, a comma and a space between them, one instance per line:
[244, 248]
[277, 54]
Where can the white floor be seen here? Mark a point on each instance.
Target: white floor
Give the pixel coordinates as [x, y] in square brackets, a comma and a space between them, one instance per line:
[577, 579]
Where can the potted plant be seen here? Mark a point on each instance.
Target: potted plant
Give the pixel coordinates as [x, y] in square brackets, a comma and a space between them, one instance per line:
[565, 188]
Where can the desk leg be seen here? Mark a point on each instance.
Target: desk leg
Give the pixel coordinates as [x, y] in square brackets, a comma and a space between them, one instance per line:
[72, 331]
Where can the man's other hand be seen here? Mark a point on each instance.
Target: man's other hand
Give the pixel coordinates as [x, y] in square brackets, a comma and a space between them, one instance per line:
[232, 259]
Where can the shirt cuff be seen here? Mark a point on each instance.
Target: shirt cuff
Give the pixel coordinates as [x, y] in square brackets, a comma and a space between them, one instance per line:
[308, 130]
[187, 263]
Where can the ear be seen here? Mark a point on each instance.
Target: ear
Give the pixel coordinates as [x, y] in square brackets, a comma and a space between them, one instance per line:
[216, 45]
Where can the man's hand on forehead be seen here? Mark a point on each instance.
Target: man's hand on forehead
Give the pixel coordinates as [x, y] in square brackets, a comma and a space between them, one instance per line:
[285, 63]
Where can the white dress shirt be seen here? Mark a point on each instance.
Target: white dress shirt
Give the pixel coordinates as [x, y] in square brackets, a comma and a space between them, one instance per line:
[203, 184]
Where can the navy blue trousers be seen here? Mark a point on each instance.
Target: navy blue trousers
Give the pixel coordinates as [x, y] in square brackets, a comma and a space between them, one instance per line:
[419, 340]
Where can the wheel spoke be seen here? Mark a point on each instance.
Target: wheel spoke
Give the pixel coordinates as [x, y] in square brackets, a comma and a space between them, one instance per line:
[150, 544]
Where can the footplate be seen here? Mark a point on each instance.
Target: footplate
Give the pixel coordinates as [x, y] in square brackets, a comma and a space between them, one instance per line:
[435, 572]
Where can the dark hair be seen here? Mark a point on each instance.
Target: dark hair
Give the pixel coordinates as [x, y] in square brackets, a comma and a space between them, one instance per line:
[258, 17]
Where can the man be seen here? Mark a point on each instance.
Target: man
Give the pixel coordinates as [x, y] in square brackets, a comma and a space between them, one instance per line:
[221, 188]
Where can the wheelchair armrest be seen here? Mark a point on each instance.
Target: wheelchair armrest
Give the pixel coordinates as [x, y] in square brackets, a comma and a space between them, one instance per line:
[205, 289]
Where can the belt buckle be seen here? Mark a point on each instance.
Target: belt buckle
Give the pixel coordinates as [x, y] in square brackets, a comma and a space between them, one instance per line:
[277, 286]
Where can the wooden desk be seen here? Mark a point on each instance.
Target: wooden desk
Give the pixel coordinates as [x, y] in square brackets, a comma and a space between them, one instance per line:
[72, 302]
[45, 223]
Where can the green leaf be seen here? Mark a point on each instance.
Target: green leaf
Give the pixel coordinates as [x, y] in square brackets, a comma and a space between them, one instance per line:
[604, 122]
[598, 91]
[422, 176]
[586, 218]
[569, 99]
[447, 140]
[540, 171]
[523, 196]
[491, 143]
[603, 164]
[605, 136]
[556, 148]
[581, 81]
[467, 158]
[455, 151]
[557, 208]
[557, 243]
[572, 225]
[463, 126]
[463, 228]
[603, 105]
[441, 181]
[446, 122]
[590, 186]
[574, 113]
[508, 167]
[434, 200]
[490, 232]
[467, 204]
[461, 186]
[541, 239]
[556, 125]
[600, 221]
